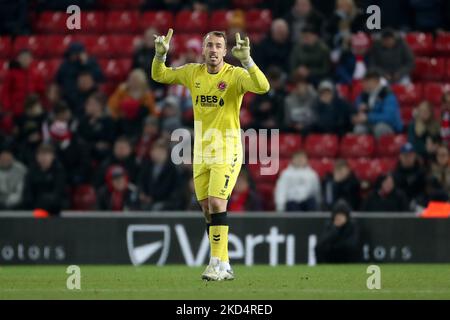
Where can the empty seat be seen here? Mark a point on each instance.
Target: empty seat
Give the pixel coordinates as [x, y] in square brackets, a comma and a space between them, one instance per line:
[442, 44]
[260, 176]
[354, 146]
[322, 166]
[322, 145]
[219, 19]
[256, 37]
[122, 22]
[429, 69]
[48, 68]
[367, 169]
[187, 21]
[5, 47]
[160, 20]
[406, 113]
[288, 144]
[433, 92]
[115, 69]
[58, 44]
[36, 44]
[52, 22]
[258, 20]
[97, 46]
[92, 22]
[84, 198]
[266, 192]
[390, 145]
[411, 94]
[123, 46]
[421, 43]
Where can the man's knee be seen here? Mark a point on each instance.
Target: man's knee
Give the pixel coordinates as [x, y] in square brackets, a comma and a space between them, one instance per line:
[382, 129]
[217, 205]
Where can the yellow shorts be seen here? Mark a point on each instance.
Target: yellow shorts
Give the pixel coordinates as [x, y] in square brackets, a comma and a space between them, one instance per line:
[216, 179]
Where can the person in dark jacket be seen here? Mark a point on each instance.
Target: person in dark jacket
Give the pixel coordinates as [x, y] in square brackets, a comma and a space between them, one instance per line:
[158, 179]
[409, 175]
[122, 156]
[45, 182]
[302, 14]
[118, 194]
[332, 113]
[339, 242]
[386, 197]
[342, 184]
[274, 49]
[77, 62]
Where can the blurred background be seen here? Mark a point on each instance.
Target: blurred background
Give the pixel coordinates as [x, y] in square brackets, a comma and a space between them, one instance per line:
[364, 115]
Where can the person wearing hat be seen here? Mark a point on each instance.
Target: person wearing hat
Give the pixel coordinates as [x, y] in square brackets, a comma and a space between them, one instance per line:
[76, 61]
[332, 113]
[339, 242]
[410, 175]
[352, 64]
[45, 182]
[310, 58]
[393, 57]
[12, 178]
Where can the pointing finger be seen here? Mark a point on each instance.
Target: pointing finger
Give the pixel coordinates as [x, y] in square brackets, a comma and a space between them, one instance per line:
[247, 42]
[238, 37]
[169, 35]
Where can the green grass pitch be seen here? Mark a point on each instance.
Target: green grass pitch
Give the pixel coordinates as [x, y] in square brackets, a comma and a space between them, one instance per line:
[406, 281]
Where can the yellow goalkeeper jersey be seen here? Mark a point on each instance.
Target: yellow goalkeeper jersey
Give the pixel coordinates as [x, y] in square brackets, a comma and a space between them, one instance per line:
[216, 100]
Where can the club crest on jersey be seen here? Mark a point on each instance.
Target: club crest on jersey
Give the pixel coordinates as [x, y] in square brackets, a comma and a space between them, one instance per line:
[222, 85]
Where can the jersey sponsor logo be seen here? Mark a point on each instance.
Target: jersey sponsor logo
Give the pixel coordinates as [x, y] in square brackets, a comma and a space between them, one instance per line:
[209, 101]
[222, 85]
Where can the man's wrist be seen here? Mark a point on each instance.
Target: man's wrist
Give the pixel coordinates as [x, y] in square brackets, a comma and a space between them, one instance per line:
[161, 58]
[248, 63]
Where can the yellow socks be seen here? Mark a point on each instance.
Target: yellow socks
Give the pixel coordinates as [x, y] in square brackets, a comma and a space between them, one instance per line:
[218, 236]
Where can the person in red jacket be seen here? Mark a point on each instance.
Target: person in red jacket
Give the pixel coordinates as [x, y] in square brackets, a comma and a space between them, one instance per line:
[22, 79]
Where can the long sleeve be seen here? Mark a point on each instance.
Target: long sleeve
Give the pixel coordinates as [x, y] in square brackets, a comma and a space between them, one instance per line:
[253, 80]
[280, 193]
[163, 74]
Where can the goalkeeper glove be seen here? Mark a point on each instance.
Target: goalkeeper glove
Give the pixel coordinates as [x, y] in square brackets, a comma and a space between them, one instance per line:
[162, 45]
[241, 51]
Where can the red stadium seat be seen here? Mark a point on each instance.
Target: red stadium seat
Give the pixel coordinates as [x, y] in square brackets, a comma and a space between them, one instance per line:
[369, 169]
[256, 37]
[115, 69]
[48, 68]
[266, 192]
[92, 22]
[344, 91]
[410, 94]
[97, 46]
[160, 20]
[289, 143]
[109, 87]
[52, 22]
[258, 20]
[245, 117]
[247, 100]
[406, 114]
[219, 19]
[390, 145]
[354, 146]
[447, 73]
[36, 44]
[421, 44]
[5, 47]
[187, 21]
[260, 177]
[120, 4]
[4, 65]
[322, 145]
[58, 44]
[123, 46]
[122, 22]
[84, 198]
[429, 69]
[433, 92]
[180, 41]
[442, 44]
[322, 166]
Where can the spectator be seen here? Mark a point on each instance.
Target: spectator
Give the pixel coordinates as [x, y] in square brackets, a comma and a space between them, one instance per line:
[393, 57]
[339, 242]
[423, 126]
[86, 86]
[445, 118]
[440, 169]
[332, 113]
[276, 46]
[409, 175]
[433, 191]
[132, 102]
[244, 197]
[342, 184]
[28, 131]
[189, 199]
[77, 62]
[170, 117]
[310, 58]
[143, 57]
[119, 194]
[386, 197]
[298, 187]
[122, 156]
[298, 115]
[193, 53]
[301, 15]
[352, 65]
[52, 96]
[45, 182]
[346, 19]
[12, 178]
[21, 80]
[150, 133]
[266, 108]
[158, 179]
[96, 129]
[377, 108]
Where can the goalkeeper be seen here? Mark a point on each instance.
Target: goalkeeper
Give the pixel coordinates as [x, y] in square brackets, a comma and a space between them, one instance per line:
[217, 89]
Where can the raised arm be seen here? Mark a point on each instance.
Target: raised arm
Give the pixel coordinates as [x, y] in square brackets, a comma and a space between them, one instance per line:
[253, 80]
[160, 72]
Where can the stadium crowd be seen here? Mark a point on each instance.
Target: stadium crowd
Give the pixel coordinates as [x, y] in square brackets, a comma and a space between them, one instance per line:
[352, 123]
